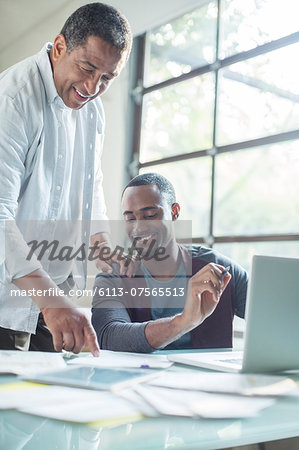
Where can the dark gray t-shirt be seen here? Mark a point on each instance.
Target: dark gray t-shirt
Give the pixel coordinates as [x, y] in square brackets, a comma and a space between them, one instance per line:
[161, 302]
[112, 322]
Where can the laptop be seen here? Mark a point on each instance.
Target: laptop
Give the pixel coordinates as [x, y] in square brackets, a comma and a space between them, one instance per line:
[271, 341]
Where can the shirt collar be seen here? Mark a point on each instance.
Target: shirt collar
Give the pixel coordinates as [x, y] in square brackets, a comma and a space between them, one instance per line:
[45, 68]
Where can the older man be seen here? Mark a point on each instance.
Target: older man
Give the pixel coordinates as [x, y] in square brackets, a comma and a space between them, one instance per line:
[180, 298]
[51, 132]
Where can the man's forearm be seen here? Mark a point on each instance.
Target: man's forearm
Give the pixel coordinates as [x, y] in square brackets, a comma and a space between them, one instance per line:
[161, 332]
[43, 290]
[115, 331]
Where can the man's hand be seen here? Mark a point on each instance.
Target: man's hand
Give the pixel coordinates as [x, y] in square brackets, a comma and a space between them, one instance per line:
[70, 329]
[204, 291]
[104, 256]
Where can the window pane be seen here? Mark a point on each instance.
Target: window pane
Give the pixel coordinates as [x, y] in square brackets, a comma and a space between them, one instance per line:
[182, 45]
[256, 190]
[178, 119]
[248, 24]
[192, 183]
[242, 252]
[259, 97]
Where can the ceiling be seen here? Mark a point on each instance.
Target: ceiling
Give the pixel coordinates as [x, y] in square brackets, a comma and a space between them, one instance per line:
[25, 25]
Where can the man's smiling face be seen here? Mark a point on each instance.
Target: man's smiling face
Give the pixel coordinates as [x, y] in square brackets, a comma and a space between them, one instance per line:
[148, 218]
[85, 72]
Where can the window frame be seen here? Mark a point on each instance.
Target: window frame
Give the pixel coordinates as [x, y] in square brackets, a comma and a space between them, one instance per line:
[140, 90]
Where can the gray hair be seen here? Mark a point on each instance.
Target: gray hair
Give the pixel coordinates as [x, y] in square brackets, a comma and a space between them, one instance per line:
[101, 20]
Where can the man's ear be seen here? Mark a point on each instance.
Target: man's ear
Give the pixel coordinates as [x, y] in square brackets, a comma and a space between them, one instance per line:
[59, 48]
[175, 211]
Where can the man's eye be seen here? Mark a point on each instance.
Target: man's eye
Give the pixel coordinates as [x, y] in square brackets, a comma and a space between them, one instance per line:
[151, 216]
[87, 70]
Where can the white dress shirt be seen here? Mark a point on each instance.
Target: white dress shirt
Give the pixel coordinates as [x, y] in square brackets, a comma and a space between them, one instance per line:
[50, 181]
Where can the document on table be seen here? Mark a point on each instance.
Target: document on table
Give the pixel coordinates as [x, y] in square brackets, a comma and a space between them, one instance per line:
[229, 383]
[179, 402]
[68, 404]
[23, 363]
[98, 378]
[123, 360]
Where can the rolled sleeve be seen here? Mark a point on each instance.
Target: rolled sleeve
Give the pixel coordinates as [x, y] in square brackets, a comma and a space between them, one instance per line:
[111, 320]
[13, 147]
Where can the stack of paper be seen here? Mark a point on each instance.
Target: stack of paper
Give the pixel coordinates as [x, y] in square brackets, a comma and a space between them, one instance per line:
[188, 393]
[123, 360]
[229, 383]
[22, 363]
[69, 404]
[178, 402]
[212, 395]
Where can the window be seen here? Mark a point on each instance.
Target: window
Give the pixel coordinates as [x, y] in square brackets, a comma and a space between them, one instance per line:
[216, 110]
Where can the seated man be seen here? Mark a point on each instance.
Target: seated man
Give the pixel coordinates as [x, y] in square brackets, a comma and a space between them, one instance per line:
[179, 298]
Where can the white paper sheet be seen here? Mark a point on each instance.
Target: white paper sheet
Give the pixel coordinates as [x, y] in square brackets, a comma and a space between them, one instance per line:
[140, 403]
[109, 358]
[243, 384]
[69, 404]
[23, 363]
[178, 402]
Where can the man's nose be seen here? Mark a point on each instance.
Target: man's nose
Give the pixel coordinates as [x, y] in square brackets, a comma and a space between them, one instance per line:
[92, 85]
[141, 227]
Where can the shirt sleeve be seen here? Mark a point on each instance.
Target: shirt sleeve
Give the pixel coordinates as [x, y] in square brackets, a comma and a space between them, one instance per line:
[14, 145]
[240, 278]
[111, 320]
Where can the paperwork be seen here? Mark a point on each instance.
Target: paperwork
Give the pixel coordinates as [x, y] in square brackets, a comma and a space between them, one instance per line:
[97, 378]
[178, 402]
[242, 384]
[68, 404]
[81, 405]
[187, 393]
[23, 363]
[123, 360]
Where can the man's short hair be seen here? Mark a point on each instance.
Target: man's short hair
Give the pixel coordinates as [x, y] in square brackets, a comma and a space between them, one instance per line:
[101, 20]
[161, 182]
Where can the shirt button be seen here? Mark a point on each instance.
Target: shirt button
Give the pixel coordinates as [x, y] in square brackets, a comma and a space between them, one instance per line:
[90, 146]
[89, 176]
[58, 188]
[91, 115]
[87, 205]
[60, 156]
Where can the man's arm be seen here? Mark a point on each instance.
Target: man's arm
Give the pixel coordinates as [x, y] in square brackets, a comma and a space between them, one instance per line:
[67, 325]
[204, 291]
[115, 330]
[110, 318]
[70, 328]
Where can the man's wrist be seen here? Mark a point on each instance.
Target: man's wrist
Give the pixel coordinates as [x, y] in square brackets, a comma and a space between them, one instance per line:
[185, 323]
[180, 326]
